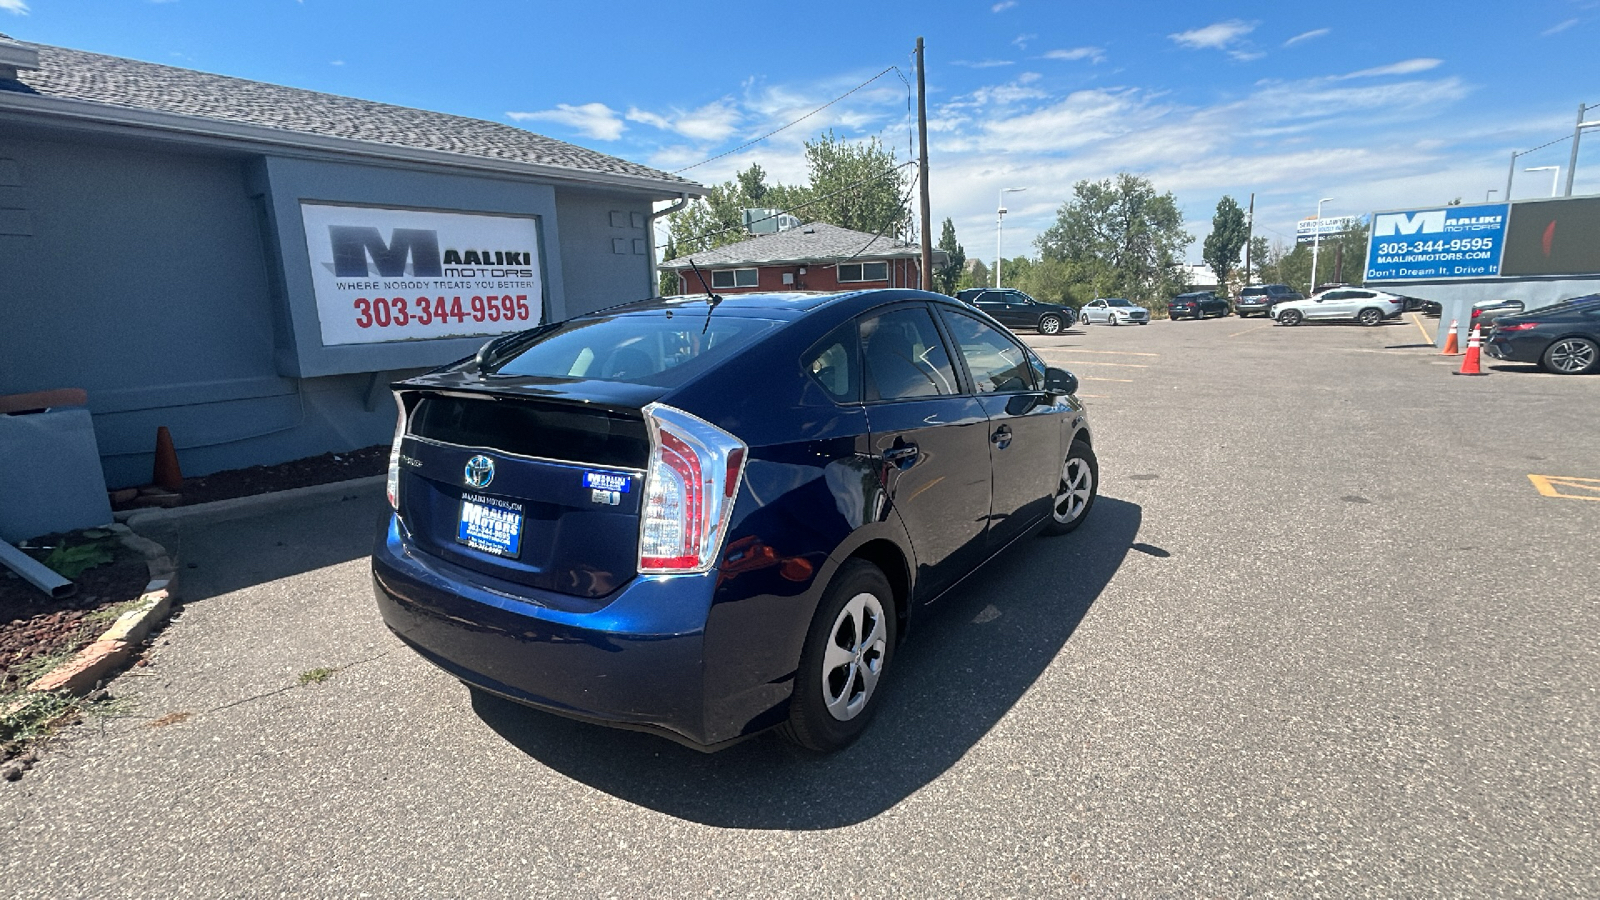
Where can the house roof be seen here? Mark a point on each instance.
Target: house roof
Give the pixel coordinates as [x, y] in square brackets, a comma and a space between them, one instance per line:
[106, 86]
[817, 242]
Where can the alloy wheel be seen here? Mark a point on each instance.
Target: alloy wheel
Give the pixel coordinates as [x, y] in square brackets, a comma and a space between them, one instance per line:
[1570, 356]
[1371, 317]
[853, 660]
[1049, 325]
[1077, 486]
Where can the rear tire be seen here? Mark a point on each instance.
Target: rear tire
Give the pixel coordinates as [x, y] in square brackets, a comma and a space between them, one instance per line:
[1370, 316]
[1571, 356]
[847, 652]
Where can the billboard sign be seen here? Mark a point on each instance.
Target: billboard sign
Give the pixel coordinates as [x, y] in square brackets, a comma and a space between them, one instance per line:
[1306, 230]
[1443, 242]
[1554, 237]
[406, 275]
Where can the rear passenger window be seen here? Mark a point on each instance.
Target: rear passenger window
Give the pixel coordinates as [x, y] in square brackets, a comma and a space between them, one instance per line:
[996, 363]
[904, 356]
[833, 364]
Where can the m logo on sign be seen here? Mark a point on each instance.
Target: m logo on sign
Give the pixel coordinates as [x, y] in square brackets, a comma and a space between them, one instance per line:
[1390, 224]
[353, 243]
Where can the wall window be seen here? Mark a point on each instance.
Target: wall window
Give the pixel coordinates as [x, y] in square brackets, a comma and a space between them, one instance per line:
[872, 271]
[735, 278]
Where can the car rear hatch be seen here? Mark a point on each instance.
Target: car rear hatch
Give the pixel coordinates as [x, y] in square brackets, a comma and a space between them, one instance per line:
[538, 491]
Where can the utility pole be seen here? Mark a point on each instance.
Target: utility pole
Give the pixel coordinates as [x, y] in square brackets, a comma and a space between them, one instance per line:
[1577, 132]
[922, 168]
[1511, 172]
[1249, 234]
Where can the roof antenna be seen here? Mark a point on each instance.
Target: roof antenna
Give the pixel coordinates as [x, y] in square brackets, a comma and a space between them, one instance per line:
[711, 299]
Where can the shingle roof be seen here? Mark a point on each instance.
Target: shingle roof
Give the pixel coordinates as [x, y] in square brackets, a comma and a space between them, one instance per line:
[817, 242]
[79, 75]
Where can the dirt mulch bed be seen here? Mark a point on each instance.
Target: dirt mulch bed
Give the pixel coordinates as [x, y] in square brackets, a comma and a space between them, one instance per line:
[34, 627]
[296, 473]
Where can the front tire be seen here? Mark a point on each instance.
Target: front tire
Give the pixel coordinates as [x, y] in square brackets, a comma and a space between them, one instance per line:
[1290, 317]
[1079, 485]
[847, 652]
[1571, 356]
[1050, 325]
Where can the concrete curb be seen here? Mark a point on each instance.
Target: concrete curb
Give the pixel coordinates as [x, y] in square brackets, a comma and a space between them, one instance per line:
[244, 507]
[78, 675]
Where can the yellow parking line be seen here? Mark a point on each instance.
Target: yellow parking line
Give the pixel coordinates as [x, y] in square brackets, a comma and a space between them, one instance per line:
[1418, 319]
[1554, 485]
[1257, 328]
[1085, 362]
[1076, 350]
[1122, 380]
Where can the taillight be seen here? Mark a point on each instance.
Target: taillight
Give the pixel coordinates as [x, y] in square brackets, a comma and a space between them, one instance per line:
[689, 487]
[394, 455]
[1476, 313]
[1520, 326]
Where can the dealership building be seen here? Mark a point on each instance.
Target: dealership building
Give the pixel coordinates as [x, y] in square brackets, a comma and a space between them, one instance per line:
[250, 264]
[1537, 251]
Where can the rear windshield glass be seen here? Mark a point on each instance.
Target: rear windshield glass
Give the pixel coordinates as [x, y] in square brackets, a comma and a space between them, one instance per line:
[639, 349]
[1252, 292]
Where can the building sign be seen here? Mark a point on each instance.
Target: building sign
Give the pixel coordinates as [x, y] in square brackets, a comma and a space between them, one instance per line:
[407, 275]
[1306, 230]
[1444, 242]
[1554, 237]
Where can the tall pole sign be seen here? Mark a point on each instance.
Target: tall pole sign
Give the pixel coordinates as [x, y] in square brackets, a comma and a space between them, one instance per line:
[922, 170]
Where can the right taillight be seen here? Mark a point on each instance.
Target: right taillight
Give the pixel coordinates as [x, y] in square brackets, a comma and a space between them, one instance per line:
[1519, 326]
[394, 455]
[689, 487]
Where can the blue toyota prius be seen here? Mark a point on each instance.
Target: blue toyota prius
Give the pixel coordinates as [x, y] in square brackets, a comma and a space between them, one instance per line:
[705, 517]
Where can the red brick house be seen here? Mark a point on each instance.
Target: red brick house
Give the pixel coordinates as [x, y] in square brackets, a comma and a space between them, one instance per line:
[815, 257]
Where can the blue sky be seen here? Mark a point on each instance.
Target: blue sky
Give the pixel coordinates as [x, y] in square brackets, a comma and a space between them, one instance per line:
[1377, 105]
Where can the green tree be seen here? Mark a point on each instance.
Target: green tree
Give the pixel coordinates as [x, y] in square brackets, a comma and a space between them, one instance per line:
[948, 276]
[1121, 237]
[1260, 260]
[1343, 257]
[1052, 281]
[851, 186]
[975, 276]
[1228, 234]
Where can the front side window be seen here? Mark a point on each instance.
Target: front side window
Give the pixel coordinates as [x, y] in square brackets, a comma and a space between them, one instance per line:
[855, 272]
[904, 356]
[997, 364]
[735, 278]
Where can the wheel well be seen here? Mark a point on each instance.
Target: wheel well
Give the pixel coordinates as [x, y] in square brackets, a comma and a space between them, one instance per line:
[888, 558]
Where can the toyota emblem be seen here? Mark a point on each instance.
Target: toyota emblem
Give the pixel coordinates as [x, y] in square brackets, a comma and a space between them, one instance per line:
[480, 471]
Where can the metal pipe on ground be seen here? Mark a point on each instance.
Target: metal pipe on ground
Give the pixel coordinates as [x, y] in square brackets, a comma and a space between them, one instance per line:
[35, 572]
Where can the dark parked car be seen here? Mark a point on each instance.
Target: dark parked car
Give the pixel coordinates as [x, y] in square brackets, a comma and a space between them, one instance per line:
[1196, 305]
[1016, 310]
[1485, 313]
[705, 519]
[1258, 299]
[1564, 338]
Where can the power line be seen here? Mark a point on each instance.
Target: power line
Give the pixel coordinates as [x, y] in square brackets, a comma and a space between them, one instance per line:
[808, 115]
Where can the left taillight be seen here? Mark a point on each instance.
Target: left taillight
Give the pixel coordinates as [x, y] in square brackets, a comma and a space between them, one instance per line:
[689, 487]
[394, 454]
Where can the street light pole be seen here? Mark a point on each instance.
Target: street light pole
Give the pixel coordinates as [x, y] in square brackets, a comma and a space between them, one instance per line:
[1316, 242]
[1555, 175]
[1487, 194]
[999, 226]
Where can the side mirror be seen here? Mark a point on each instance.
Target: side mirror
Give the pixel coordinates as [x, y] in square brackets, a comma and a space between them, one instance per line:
[1060, 381]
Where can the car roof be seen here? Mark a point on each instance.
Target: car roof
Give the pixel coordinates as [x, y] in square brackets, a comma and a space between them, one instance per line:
[770, 304]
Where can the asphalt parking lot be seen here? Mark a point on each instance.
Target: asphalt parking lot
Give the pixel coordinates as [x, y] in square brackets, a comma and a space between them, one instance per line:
[1323, 635]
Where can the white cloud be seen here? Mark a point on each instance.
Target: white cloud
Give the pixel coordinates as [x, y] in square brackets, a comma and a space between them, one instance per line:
[982, 63]
[1307, 36]
[1021, 41]
[1216, 36]
[1093, 54]
[1003, 6]
[15, 7]
[1558, 27]
[1404, 67]
[336, 62]
[592, 120]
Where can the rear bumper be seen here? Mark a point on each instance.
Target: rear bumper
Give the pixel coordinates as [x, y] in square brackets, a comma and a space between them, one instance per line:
[634, 660]
[1509, 349]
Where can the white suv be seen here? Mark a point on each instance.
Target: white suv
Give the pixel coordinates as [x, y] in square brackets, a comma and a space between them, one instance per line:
[1352, 304]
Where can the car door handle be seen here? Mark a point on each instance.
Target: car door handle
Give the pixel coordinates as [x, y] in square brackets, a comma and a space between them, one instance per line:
[900, 453]
[1001, 437]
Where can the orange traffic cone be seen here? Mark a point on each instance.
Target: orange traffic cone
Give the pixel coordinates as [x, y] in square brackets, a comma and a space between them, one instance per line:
[1469, 363]
[167, 474]
[1451, 348]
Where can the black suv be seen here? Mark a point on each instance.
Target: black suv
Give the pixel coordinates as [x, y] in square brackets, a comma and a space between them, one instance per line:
[1258, 299]
[1196, 305]
[1014, 309]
